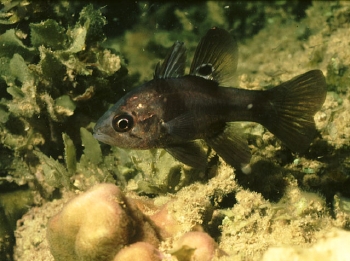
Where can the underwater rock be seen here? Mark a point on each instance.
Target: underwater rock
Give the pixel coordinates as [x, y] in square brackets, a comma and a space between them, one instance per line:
[13, 204]
[334, 246]
[97, 224]
[6, 236]
[342, 212]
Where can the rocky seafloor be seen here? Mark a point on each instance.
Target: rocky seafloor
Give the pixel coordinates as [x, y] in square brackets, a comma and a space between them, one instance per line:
[64, 63]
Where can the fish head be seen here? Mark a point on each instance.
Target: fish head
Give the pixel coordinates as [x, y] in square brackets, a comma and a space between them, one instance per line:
[134, 122]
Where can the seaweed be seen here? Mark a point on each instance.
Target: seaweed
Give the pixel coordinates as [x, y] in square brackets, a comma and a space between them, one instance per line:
[47, 83]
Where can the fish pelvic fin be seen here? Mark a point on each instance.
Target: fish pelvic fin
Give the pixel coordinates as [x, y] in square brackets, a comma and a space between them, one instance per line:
[190, 153]
[232, 147]
[291, 107]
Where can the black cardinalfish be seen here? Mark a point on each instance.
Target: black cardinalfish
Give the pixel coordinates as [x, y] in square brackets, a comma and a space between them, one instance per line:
[174, 111]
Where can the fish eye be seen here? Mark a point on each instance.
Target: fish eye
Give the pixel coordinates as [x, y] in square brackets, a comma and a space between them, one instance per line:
[123, 122]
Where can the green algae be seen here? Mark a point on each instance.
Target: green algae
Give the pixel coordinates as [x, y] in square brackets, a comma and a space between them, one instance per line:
[154, 171]
[92, 149]
[56, 175]
[69, 154]
[49, 34]
[11, 45]
[39, 98]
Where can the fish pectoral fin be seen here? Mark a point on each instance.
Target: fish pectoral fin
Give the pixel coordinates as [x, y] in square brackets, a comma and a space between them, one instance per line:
[190, 153]
[216, 57]
[231, 146]
[183, 126]
[173, 64]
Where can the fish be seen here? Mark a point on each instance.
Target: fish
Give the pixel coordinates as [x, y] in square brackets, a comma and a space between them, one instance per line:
[178, 112]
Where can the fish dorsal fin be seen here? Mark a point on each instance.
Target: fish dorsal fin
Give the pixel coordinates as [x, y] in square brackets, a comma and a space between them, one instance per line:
[173, 64]
[216, 57]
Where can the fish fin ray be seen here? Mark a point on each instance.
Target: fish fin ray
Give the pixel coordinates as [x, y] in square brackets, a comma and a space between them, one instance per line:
[232, 147]
[190, 153]
[216, 57]
[183, 126]
[173, 64]
[291, 109]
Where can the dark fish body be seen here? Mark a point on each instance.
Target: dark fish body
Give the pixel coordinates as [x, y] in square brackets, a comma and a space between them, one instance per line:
[159, 101]
[173, 111]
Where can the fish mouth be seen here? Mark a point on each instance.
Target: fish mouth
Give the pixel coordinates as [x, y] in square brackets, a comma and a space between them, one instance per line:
[101, 130]
[102, 137]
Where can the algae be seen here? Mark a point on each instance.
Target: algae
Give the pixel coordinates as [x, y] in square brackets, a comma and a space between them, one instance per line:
[47, 80]
[69, 154]
[154, 171]
[48, 68]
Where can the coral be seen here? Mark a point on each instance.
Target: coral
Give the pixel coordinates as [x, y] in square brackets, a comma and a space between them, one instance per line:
[102, 224]
[195, 246]
[97, 224]
[250, 226]
[139, 251]
[253, 223]
[127, 220]
[164, 219]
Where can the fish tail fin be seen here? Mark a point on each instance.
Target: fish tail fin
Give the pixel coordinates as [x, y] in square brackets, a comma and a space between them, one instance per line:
[291, 107]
